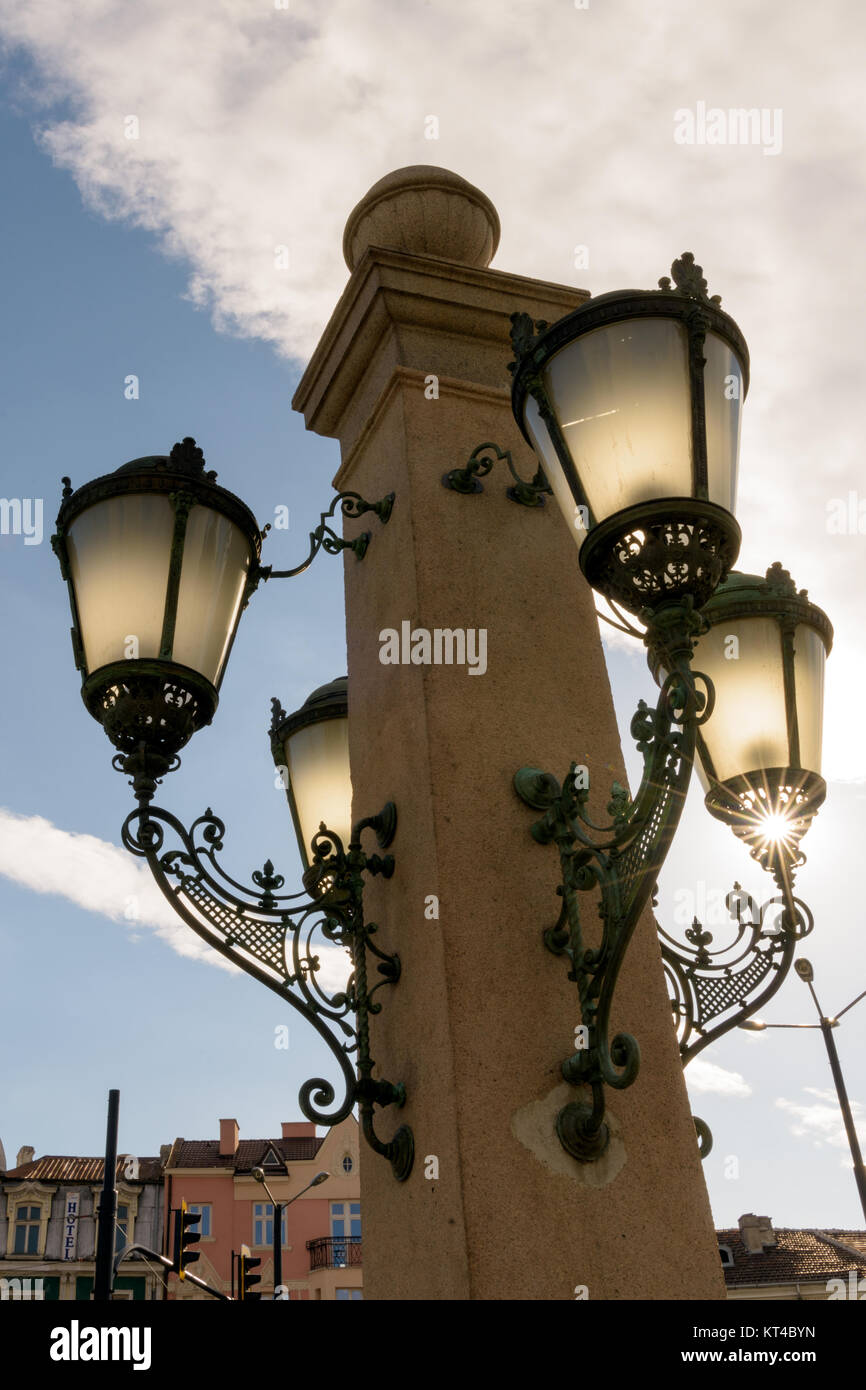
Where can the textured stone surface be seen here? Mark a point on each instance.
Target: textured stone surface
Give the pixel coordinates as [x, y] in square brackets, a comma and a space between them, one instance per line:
[425, 210]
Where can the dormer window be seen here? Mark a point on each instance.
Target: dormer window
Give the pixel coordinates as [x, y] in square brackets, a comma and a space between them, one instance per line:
[727, 1256]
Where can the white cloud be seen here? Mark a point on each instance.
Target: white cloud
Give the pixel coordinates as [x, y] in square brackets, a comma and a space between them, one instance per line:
[103, 878]
[260, 127]
[709, 1079]
[821, 1121]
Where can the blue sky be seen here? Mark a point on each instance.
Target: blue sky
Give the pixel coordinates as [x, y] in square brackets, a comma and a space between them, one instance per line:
[233, 166]
[88, 303]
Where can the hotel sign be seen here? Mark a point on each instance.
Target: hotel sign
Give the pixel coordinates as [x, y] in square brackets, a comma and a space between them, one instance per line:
[70, 1226]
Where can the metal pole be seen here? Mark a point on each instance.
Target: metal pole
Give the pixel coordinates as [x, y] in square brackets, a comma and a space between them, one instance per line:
[278, 1245]
[845, 1107]
[104, 1274]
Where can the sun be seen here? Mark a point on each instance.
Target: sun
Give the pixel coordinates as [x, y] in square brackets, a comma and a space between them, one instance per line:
[776, 828]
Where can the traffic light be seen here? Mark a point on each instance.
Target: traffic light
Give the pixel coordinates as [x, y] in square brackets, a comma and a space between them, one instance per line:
[246, 1280]
[183, 1237]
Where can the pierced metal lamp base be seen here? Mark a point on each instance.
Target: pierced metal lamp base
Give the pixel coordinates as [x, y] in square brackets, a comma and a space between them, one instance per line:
[661, 551]
[149, 710]
[746, 804]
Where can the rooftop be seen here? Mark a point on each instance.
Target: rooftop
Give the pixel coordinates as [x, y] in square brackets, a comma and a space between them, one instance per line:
[796, 1257]
[63, 1168]
[249, 1154]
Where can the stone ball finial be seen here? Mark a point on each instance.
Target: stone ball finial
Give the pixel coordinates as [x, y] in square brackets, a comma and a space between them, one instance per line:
[426, 211]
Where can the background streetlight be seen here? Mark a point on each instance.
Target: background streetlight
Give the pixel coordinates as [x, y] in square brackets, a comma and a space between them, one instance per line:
[279, 1208]
[804, 969]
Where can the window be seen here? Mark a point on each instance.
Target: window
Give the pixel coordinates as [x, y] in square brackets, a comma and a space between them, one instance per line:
[348, 1163]
[124, 1218]
[353, 1295]
[27, 1223]
[727, 1256]
[345, 1230]
[202, 1210]
[121, 1228]
[263, 1224]
[346, 1219]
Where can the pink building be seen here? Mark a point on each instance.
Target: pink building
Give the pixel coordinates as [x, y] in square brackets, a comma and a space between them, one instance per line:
[321, 1236]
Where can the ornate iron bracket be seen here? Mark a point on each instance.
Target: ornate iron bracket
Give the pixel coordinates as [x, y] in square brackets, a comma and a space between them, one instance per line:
[325, 537]
[707, 985]
[620, 861]
[270, 936]
[480, 463]
[713, 991]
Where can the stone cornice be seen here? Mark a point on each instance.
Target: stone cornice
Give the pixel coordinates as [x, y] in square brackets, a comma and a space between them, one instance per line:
[417, 312]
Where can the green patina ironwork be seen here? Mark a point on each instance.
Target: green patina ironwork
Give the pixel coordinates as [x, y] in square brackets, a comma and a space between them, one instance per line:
[480, 463]
[715, 990]
[270, 936]
[619, 862]
[324, 537]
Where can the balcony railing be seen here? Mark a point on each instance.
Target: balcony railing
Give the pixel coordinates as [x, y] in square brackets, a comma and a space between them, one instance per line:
[335, 1252]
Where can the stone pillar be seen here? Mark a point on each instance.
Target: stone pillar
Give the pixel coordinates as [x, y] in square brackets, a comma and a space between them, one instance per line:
[410, 375]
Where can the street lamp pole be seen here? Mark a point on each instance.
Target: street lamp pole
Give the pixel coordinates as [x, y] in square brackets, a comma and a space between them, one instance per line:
[279, 1208]
[845, 1107]
[804, 970]
[103, 1278]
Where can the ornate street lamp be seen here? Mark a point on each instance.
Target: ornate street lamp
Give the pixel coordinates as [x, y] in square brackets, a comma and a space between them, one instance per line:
[759, 760]
[311, 753]
[632, 402]
[160, 563]
[759, 753]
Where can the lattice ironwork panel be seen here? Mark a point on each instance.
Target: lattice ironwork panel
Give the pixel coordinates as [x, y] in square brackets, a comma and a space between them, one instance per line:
[266, 940]
[716, 993]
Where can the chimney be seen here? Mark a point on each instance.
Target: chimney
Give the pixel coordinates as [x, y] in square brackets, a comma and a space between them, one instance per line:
[228, 1138]
[757, 1233]
[299, 1129]
[25, 1155]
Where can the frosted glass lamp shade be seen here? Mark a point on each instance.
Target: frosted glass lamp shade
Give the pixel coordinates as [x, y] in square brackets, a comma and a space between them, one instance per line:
[311, 748]
[159, 562]
[633, 402]
[759, 752]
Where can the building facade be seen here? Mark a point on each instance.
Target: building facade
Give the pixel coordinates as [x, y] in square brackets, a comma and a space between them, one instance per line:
[49, 1221]
[321, 1230]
